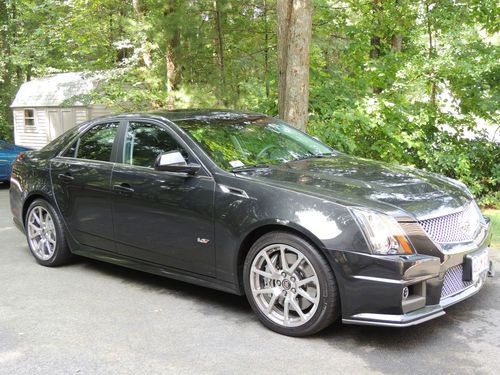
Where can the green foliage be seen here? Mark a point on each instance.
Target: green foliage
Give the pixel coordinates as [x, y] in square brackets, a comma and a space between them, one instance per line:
[494, 216]
[383, 108]
[419, 103]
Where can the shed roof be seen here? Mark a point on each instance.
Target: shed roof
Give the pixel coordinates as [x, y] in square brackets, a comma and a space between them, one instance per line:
[53, 91]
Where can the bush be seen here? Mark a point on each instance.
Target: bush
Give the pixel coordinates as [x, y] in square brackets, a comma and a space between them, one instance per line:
[394, 133]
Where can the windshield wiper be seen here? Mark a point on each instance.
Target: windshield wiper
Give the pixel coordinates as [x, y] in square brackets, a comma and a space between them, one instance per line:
[312, 156]
[249, 167]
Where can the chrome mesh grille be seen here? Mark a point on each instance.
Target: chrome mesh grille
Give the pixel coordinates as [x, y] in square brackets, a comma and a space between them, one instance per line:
[457, 227]
[453, 282]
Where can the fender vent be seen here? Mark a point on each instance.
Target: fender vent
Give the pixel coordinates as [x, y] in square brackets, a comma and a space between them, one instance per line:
[233, 191]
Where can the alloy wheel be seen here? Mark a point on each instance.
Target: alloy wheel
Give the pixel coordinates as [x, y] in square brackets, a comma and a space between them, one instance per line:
[41, 233]
[284, 285]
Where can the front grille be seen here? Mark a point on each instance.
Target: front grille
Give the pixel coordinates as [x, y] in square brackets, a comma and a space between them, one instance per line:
[457, 227]
[453, 282]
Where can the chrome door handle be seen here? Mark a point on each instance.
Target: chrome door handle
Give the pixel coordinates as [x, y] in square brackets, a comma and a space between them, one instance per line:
[65, 177]
[123, 188]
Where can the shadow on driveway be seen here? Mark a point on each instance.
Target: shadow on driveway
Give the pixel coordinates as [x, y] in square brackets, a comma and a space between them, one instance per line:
[384, 349]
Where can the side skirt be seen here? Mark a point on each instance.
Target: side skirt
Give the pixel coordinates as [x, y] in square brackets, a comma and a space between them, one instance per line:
[156, 269]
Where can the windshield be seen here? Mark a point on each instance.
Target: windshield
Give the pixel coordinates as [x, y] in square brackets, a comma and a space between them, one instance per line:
[253, 141]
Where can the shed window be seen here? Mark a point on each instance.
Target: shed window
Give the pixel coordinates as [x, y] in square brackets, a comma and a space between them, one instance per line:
[29, 117]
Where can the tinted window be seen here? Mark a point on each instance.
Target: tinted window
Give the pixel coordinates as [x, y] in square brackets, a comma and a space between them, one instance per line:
[70, 152]
[61, 141]
[97, 143]
[145, 142]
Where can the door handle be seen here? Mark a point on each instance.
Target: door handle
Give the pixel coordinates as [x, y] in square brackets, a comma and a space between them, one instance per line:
[66, 177]
[123, 188]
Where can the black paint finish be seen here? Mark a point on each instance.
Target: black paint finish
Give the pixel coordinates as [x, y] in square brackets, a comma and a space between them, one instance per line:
[198, 228]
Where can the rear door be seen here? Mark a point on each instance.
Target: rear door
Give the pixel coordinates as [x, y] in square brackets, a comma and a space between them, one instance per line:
[81, 180]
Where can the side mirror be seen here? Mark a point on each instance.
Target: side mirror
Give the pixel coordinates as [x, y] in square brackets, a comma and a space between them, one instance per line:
[174, 162]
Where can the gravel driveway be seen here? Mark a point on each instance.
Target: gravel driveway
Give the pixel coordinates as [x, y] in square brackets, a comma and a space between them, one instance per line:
[96, 318]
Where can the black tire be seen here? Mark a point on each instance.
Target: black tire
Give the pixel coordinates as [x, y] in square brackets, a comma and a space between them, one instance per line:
[62, 254]
[328, 308]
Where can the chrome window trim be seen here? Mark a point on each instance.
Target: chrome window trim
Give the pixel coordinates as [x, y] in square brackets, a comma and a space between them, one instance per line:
[78, 159]
[149, 169]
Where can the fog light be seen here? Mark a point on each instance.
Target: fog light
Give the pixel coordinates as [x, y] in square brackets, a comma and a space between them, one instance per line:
[406, 292]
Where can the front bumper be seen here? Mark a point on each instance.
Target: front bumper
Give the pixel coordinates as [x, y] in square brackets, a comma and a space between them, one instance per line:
[372, 287]
[421, 315]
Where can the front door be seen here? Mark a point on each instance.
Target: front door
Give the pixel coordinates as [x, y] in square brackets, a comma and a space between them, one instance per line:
[162, 217]
[81, 179]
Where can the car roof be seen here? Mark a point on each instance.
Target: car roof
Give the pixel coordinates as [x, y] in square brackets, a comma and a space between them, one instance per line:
[204, 114]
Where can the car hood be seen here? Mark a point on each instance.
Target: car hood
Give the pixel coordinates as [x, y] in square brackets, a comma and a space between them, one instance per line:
[397, 190]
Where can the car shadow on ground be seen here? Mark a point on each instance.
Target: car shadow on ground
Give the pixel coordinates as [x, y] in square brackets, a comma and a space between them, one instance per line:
[226, 302]
[217, 302]
[4, 185]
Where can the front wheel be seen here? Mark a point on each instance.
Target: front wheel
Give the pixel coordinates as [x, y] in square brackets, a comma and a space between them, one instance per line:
[289, 285]
[45, 234]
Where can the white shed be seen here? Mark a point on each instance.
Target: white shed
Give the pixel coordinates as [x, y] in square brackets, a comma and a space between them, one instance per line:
[44, 108]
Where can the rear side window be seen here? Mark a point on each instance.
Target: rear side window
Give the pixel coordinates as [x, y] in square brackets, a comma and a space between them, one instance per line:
[96, 143]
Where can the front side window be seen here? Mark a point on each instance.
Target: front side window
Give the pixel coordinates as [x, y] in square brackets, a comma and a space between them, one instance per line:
[145, 142]
[97, 143]
[29, 117]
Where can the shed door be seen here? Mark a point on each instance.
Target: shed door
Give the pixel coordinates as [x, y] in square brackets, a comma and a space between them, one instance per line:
[68, 118]
[60, 120]
[55, 123]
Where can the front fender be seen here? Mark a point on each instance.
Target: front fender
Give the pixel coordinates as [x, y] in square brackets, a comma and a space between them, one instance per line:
[328, 225]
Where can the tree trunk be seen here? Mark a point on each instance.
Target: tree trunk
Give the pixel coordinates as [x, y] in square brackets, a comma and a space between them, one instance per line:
[29, 69]
[266, 49]
[431, 56]
[139, 14]
[4, 32]
[171, 50]
[219, 49]
[397, 42]
[294, 38]
[8, 80]
[431, 126]
[136, 4]
[375, 39]
[397, 38]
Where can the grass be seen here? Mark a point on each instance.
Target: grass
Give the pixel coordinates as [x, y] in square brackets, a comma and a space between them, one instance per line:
[494, 215]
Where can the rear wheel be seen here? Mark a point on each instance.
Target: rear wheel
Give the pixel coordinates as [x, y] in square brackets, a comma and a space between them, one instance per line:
[45, 234]
[289, 285]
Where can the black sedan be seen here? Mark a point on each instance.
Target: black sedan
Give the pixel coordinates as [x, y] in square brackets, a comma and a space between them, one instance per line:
[244, 203]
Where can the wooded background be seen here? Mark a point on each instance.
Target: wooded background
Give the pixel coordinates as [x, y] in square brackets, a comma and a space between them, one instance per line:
[395, 80]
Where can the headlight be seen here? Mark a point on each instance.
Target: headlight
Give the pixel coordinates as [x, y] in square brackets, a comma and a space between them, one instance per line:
[382, 232]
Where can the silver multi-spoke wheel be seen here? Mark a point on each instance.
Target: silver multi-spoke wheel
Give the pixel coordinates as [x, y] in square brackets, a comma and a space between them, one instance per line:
[284, 285]
[41, 233]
